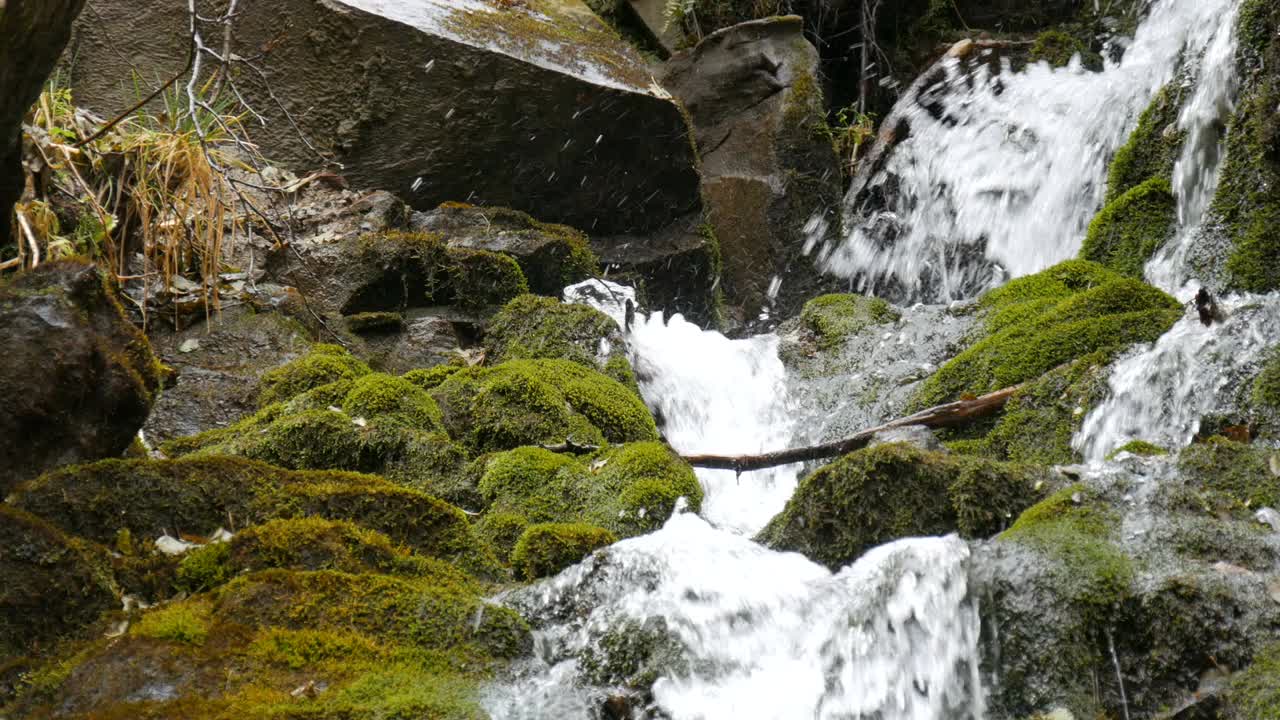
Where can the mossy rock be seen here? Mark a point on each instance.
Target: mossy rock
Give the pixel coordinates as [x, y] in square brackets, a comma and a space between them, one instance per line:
[551, 257]
[1246, 204]
[198, 495]
[627, 489]
[1130, 229]
[887, 492]
[376, 423]
[547, 548]
[532, 327]
[51, 585]
[431, 378]
[1040, 420]
[1074, 528]
[310, 543]
[1264, 398]
[832, 318]
[395, 270]
[1254, 694]
[1154, 146]
[535, 402]
[1224, 475]
[325, 364]
[1036, 323]
[365, 646]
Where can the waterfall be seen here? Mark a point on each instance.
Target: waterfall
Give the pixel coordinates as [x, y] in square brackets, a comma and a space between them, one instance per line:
[1160, 393]
[1002, 171]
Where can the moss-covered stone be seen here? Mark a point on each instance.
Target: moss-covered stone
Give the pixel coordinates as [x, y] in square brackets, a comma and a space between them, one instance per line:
[198, 495]
[547, 548]
[1246, 204]
[430, 378]
[359, 646]
[1040, 420]
[533, 327]
[887, 492]
[375, 322]
[51, 585]
[832, 318]
[1265, 393]
[1154, 146]
[550, 256]
[533, 402]
[377, 423]
[627, 489]
[1227, 475]
[1130, 229]
[1036, 323]
[310, 543]
[1073, 528]
[1254, 694]
[416, 269]
[325, 364]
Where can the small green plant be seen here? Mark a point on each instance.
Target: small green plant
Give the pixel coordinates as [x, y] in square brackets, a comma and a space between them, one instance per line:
[848, 134]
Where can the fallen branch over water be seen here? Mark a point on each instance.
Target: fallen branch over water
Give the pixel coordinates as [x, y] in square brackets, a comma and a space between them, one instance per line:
[953, 414]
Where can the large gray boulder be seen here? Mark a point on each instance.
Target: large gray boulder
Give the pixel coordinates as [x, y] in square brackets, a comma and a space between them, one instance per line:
[535, 105]
[758, 108]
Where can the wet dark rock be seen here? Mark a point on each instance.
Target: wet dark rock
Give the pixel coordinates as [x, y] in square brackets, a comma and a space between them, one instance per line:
[536, 106]
[51, 585]
[219, 365]
[423, 340]
[77, 378]
[676, 270]
[756, 102]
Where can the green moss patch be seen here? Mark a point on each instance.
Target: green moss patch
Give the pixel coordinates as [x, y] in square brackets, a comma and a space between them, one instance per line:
[1140, 448]
[1071, 528]
[832, 318]
[1132, 228]
[51, 585]
[1057, 48]
[325, 364]
[1255, 692]
[307, 544]
[1247, 204]
[627, 489]
[293, 644]
[534, 402]
[198, 495]
[888, 492]
[1153, 147]
[1036, 323]
[532, 327]
[547, 548]
[1225, 475]
[1040, 420]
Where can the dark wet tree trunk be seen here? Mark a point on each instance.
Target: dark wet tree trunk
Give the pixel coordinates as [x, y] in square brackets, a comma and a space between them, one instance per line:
[32, 36]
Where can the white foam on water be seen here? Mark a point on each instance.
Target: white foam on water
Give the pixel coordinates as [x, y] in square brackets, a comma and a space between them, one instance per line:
[763, 635]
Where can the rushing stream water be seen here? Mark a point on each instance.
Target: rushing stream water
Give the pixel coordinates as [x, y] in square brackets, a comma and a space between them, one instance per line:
[1014, 168]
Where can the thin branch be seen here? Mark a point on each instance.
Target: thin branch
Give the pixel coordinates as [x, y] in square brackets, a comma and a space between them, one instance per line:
[191, 59]
[961, 412]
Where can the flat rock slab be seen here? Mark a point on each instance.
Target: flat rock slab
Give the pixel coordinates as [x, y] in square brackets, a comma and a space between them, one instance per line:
[531, 104]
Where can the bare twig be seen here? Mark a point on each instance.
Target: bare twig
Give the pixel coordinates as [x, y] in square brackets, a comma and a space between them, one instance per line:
[961, 412]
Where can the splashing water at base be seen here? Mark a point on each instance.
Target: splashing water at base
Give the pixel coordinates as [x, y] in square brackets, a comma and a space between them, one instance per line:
[1002, 171]
[760, 635]
[1161, 393]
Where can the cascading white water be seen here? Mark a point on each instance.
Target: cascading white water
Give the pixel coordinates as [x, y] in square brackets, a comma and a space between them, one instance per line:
[716, 395]
[1160, 394]
[1002, 171]
[1196, 174]
[751, 634]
